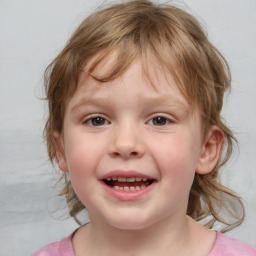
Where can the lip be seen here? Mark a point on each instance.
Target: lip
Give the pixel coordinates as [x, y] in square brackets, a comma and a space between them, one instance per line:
[131, 195]
[127, 195]
[125, 174]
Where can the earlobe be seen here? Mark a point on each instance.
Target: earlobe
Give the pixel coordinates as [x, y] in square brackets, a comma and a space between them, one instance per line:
[60, 154]
[211, 150]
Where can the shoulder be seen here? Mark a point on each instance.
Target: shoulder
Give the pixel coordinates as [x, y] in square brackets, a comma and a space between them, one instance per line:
[59, 248]
[52, 249]
[227, 246]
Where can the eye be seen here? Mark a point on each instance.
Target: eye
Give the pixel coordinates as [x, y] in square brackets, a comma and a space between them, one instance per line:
[159, 121]
[96, 121]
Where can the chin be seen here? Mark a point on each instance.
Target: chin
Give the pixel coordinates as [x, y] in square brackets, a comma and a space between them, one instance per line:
[134, 224]
[130, 226]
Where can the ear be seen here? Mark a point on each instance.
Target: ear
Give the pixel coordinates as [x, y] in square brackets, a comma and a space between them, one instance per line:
[60, 154]
[211, 150]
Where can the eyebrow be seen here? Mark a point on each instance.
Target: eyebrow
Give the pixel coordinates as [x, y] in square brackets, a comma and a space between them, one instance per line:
[161, 100]
[166, 100]
[91, 101]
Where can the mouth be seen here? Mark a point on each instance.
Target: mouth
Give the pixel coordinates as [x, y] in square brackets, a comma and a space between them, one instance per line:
[128, 184]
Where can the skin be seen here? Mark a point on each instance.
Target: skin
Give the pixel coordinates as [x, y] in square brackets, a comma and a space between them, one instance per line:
[128, 137]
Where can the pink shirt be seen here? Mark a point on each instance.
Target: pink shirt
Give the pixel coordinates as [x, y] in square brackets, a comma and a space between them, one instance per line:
[224, 246]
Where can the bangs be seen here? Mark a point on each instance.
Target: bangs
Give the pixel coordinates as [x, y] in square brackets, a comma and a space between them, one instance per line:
[155, 36]
[167, 40]
[157, 58]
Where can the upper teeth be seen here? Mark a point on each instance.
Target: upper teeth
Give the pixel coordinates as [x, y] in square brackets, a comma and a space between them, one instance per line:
[123, 179]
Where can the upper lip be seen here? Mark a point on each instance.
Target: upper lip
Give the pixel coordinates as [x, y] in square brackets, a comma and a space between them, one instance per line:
[125, 174]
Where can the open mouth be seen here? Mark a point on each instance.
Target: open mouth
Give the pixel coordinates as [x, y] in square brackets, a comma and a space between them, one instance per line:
[128, 184]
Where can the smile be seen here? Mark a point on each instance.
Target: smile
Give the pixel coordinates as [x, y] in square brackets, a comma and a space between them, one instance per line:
[128, 184]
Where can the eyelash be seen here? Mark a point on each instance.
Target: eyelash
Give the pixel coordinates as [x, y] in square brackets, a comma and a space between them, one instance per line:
[90, 121]
[160, 118]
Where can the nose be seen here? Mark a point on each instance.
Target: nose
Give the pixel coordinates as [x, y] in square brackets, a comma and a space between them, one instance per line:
[126, 142]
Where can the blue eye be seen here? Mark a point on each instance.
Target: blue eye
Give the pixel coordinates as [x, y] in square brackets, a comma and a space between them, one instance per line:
[96, 121]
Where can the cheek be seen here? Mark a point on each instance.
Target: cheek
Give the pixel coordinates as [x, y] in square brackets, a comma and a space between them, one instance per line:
[80, 150]
[82, 163]
[82, 160]
[177, 161]
[179, 172]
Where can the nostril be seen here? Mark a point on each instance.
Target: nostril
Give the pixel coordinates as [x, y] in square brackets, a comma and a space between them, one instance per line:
[115, 154]
[132, 154]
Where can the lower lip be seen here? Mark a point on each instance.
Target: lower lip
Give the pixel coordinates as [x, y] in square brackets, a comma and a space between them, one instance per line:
[131, 195]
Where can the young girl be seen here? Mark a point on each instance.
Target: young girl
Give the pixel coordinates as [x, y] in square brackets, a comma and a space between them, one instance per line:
[134, 124]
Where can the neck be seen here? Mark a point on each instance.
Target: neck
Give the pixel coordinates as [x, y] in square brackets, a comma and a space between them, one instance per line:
[158, 239]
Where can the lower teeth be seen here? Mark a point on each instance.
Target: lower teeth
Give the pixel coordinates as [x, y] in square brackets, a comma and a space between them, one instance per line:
[129, 188]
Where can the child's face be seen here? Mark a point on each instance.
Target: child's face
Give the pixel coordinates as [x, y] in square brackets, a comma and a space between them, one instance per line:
[126, 129]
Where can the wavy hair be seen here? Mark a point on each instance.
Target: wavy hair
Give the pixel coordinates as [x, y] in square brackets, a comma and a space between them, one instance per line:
[141, 28]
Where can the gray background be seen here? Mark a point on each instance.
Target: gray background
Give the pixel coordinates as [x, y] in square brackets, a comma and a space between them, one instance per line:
[32, 32]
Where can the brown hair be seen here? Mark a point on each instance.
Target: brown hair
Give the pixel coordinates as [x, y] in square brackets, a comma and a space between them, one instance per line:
[141, 28]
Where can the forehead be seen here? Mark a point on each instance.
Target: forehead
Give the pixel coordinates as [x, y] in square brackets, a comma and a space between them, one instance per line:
[110, 63]
[108, 66]
[150, 84]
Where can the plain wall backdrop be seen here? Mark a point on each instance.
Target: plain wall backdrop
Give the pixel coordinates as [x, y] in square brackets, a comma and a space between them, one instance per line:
[32, 32]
